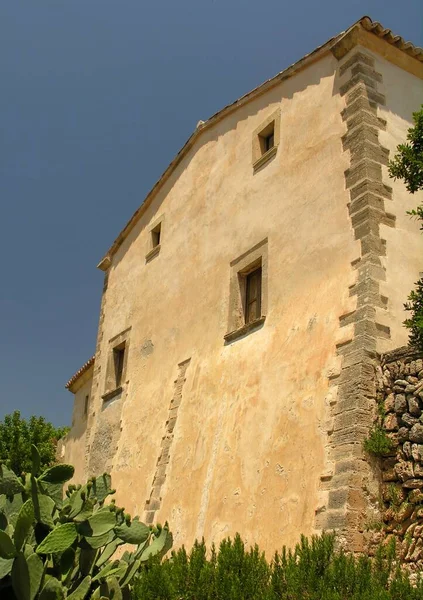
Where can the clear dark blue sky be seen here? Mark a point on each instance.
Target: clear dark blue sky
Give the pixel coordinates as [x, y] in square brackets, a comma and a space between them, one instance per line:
[96, 98]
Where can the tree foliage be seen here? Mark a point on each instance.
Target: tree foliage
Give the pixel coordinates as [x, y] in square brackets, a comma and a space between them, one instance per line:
[408, 163]
[17, 435]
[408, 166]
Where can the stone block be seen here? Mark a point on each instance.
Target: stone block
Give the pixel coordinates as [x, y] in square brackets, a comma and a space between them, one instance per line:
[390, 422]
[369, 186]
[414, 406]
[408, 420]
[360, 89]
[416, 433]
[416, 496]
[406, 448]
[366, 69]
[389, 403]
[331, 519]
[417, 452]
[352, 418]
[413, 483]
[360, 79]
[349, 435]
[159, 481]
[403, 434]
[356, 500]
[389, 475]
[171, 424]
[338, 498]
[149, 517]
[357, 57]
[153, 504]
[352, 449]
[404, 469]
[366, 169]
[400, 403]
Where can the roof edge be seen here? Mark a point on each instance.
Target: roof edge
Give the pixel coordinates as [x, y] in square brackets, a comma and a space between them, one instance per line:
[84, 369]
[339, 45]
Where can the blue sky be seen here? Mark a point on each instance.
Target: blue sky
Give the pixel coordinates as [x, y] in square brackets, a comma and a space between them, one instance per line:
[97, 97]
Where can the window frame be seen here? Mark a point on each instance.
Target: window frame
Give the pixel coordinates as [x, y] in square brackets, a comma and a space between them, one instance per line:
[241, 268]
[262, 152]
[116, 369]
[155, 237]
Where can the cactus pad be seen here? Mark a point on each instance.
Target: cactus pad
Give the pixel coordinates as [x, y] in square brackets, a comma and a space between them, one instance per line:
[58, 540]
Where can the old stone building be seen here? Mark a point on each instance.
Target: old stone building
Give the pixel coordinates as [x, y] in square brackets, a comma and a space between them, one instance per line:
[247, 300]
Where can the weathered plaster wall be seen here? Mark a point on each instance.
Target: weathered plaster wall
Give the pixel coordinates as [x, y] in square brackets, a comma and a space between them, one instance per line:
[74, 442]
[251, 420]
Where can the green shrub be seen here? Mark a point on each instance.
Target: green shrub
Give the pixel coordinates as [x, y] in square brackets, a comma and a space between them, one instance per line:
[415, 322]
[54, 547]
[314, 570]
[378, 442]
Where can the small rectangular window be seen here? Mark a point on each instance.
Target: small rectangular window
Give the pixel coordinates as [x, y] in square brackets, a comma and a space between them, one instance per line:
[253, 296]
[118, 359]
[87, 398]
[155, 235]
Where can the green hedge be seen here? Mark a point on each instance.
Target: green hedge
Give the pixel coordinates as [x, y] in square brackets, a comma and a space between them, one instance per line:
[315, 570]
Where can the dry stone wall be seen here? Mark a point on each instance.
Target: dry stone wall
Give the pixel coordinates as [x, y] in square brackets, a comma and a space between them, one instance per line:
[400, 397]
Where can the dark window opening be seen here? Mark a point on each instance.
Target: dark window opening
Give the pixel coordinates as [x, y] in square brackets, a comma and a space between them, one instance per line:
[267, 138]
[155, 235]
[87, 398]
[269, 142]
[253, 296]
[119, 357]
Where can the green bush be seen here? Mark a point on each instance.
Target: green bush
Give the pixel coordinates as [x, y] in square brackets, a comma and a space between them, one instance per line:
[378, 442]
[55, 548]
[314, 570]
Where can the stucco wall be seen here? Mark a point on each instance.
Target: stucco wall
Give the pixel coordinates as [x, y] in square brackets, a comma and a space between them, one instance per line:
[404, 242]
[248, 448]
[74, 443]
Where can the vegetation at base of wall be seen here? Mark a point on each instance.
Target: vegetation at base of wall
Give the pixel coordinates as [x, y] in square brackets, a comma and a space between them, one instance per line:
[17, 436]
[315, 570]
[408, 166]
[57, 547]
[378, 442]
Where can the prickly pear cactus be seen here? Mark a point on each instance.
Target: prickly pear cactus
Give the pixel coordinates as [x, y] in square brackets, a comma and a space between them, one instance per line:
[57, 546]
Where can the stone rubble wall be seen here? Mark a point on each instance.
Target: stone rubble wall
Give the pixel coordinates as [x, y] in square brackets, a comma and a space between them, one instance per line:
[400, 400]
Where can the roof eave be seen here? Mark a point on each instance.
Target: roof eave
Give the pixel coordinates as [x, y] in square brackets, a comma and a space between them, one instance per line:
[339, 45]
[81, 376]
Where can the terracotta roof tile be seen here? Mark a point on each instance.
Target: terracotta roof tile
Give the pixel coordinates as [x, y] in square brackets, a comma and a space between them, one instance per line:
[80, 372]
